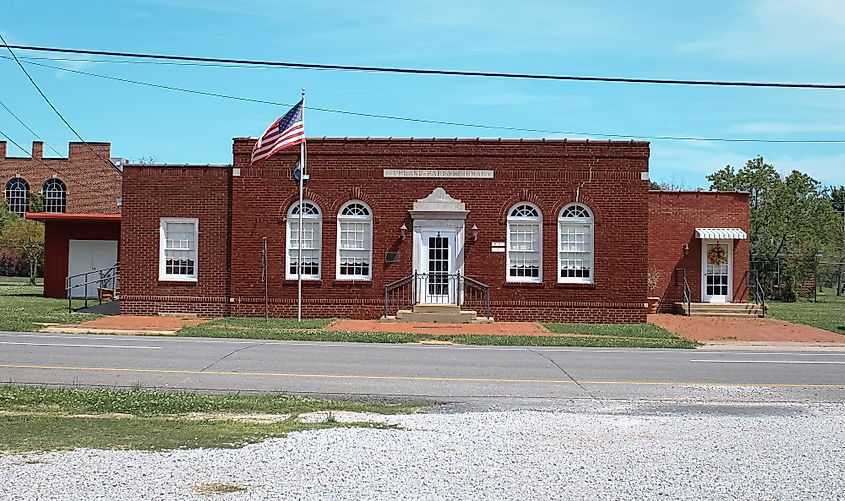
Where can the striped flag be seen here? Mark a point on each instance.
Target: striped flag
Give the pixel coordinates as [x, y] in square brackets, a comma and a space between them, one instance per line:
[286, 131]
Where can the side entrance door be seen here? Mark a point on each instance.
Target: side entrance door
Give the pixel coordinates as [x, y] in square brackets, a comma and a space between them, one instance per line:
[716, 270]
[89, 255]
[438, 283]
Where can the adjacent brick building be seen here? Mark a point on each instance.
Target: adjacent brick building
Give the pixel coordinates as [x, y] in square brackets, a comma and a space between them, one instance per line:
[682, 224]
[80, 208]
[559, 230]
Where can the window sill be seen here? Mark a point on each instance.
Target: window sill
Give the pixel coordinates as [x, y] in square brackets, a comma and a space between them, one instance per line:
[177, 280]
[575, 285]
[524, 285]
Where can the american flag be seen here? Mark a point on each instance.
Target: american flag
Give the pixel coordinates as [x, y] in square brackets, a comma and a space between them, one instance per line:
[286, 131]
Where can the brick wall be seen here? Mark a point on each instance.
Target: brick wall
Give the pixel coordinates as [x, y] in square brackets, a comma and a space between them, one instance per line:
[151, 193]
[605, 175]
[93, 185]
[673, 218]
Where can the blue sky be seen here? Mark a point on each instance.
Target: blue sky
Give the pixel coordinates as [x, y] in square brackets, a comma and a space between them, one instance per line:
[766, 40]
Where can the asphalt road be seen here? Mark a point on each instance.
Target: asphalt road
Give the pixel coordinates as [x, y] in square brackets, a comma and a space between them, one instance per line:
[473, 376]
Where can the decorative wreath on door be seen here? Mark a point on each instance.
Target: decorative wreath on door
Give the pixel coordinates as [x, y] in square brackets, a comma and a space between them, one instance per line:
[717, 256]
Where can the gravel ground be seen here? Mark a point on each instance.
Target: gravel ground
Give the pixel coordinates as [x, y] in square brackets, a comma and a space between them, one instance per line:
[690, 452]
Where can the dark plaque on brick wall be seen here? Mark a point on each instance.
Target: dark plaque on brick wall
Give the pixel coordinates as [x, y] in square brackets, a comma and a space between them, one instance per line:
[391, 257]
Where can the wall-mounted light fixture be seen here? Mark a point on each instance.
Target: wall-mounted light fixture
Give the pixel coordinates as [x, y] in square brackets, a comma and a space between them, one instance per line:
[685, 248]
[474, 232]
[403, 231]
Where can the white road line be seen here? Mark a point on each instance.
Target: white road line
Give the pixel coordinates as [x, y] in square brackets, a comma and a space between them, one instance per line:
[769, 361]
[85, 345]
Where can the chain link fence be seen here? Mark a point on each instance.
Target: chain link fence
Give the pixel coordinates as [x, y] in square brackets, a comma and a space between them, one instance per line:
[792, 279]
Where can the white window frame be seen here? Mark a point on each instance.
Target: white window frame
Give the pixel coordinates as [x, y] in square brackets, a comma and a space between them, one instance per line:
[590, 255]
[534, 221]
[368, 239]
[54, 198]
[162, 238]
[13, 197]
[290, 240]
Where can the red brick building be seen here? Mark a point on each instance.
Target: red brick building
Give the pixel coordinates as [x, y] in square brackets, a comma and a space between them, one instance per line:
[703, 235]
[555, 230]
[80, 208]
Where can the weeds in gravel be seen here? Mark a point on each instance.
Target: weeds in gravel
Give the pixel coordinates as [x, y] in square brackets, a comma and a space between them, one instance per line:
[40, 419]
[213, 488]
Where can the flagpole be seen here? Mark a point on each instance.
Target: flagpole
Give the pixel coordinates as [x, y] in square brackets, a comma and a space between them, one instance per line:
[299, 233]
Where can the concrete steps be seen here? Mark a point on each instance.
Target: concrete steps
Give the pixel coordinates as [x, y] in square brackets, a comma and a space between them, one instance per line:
[720, 309]
[437, 314]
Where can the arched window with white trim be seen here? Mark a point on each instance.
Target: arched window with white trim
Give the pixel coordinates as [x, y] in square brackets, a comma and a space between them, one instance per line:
[17, 195]
[312, 241]
[575, 245]
[354, 241]
[525, 243]
[55, 195]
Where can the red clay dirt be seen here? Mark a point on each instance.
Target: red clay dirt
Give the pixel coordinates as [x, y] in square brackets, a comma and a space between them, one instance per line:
[131, 323]
[494, 329]
[724, 329]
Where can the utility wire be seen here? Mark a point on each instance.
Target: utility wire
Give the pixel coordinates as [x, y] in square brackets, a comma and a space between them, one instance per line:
[27, 128]
[440, 122]
[69, 126]
[418, 71]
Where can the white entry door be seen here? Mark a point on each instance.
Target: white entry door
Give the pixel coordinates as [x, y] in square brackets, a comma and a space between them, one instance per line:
[438, 283]
[716, 270]
[89, 255]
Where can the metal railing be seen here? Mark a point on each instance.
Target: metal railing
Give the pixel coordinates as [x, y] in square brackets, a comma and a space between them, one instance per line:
[436, 288]
[102, 277]
[687, 296]
[759, 293]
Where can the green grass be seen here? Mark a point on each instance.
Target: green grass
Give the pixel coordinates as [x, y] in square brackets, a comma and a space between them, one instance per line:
[40, 419]
[22, 308]
[19, 281]
[621, 330]
[149, 403]
[828, 313]
[606, 335]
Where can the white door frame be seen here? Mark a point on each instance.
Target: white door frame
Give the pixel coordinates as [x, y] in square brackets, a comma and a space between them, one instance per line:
[728, 246]
[423, 294]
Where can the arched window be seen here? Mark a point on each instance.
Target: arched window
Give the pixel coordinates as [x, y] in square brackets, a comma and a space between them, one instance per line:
[17, 195]
[575, 245]
[354, 242]
[55, 195]
[312, 241]
[525, 242]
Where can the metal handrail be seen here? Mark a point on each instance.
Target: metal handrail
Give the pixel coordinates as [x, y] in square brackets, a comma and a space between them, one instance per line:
[103, 277]
[760, 293]
[687, 295]
[436, 288]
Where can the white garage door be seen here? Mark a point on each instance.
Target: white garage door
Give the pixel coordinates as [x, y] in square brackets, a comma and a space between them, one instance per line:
[89, 255]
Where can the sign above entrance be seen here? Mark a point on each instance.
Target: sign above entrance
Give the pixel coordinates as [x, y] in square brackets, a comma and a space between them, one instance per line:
[440, 173]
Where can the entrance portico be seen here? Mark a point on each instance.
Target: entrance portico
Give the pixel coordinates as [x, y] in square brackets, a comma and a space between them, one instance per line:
[439, 231]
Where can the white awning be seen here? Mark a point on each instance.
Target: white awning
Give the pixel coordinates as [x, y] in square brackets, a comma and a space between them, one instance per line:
[720, 234]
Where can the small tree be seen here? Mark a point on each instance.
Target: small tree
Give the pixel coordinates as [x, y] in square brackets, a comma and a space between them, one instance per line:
[27, 237]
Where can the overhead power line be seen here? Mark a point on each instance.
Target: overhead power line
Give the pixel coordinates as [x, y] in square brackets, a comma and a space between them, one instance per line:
[420, 71]
[25, 126]
[53, 107]
[438, 122]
